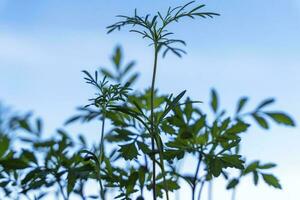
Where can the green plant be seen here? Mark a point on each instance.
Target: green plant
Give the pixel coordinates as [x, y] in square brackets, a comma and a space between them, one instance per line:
[136, 127]
[155, 29]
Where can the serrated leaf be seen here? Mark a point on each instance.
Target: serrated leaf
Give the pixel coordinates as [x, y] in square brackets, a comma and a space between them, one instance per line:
[170, 184]
[234, 161]
[143, 147]
[216, 166]
[129, 151]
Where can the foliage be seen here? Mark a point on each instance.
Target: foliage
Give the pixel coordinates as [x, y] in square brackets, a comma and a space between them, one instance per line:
[143, 136]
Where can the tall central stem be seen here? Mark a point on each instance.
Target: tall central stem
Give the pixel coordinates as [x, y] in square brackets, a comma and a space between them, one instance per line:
[152, 121]
[101, 154]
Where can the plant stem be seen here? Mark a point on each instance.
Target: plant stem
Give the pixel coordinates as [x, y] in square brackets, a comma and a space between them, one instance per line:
[196, 175]
[210, 187]
[200, 190]
[101, 154]
[233, 195]
[62, 191]
[152, 121]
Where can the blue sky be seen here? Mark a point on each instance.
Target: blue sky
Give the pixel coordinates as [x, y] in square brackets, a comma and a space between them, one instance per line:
[252, 49]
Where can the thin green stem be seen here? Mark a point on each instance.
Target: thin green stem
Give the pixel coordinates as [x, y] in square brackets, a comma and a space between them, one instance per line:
[101, 155]
[201, 189]
[155, 138]
[196, 176]
[152, 121]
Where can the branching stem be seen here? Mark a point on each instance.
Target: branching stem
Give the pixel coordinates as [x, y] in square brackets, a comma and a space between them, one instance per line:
[196, 176]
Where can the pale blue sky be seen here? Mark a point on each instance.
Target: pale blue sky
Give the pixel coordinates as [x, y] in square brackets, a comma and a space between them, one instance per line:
[251, 49]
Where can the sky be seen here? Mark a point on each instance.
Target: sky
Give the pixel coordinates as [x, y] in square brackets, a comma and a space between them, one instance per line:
[252, 50]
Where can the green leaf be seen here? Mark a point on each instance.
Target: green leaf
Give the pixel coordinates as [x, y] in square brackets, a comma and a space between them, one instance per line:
[73, 119]
[234, 161]
[143, 147]
[13, 164]
[172, 105]
[4, 141]
[216, 166]
[142, 175]
[232, 184]
[281, 118]
[129, 151]
[188, 110]
[3, 184]
[255, 177]
[261, 121]
[31, 175]
[238, 128]
[214, 100]
[117, 57]
[131, 182]
[24, 124]
[241, 104]
[199, 124]
[225, 124]
[39, 125]
[170, 155]
[119, 135]
[47, 143]
[165, 127]
[132, 78]
[29, 156]
[271, 180]
[186, 133]
[265, 103]
[267, 166]
[90, 155]
[107, 73]
[71, 181]
[251, 167]
[128, 67]
[170, 184]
